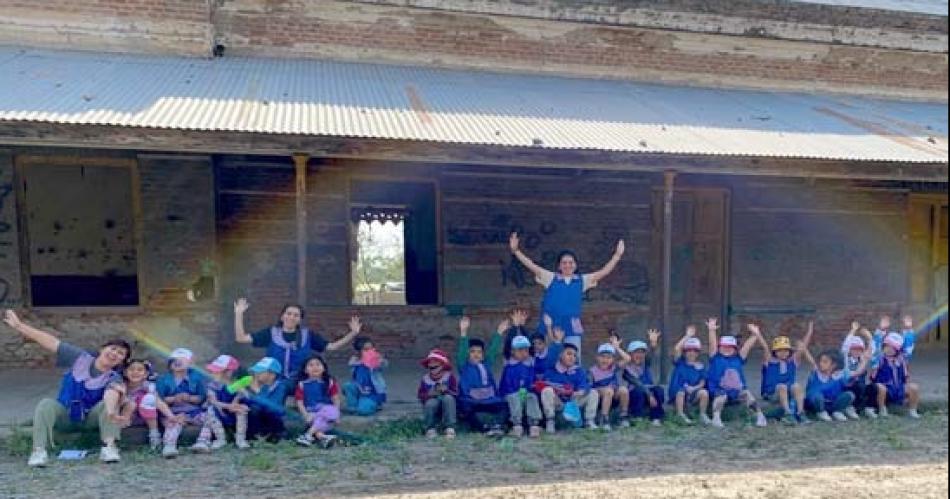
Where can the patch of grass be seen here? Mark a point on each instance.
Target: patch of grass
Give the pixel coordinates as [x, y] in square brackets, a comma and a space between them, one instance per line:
[259, 460]
[19, 443]
[394, 431]
[528, 467]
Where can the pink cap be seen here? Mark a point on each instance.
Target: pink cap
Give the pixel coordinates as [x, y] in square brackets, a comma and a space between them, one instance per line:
[147, 406]
[692, 344]
[895, 341]
[728, 341]
[371, 359]
[222, 363]
[854, 343]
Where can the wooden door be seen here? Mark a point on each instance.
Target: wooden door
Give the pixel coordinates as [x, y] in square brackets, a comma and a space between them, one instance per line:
[927, 250]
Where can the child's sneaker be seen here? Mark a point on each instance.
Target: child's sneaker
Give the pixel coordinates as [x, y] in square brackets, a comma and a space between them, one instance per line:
[170, 451]
[656, 422]
[839, 416]
[241, 443]
[431, 433]
[326, 441]
[534, 431]
[704, 419]
[305, 440]
[624, 423]
[591, 425]
[824, 416]
[883, 412]
[495, 431]
[761, 421]
[450, 433]
[851, 413]
[154, 440]
[802, 418]
[870, 413]
[717, 422]
[789, 420]
[38, 458]
[549, 426]
[685, 419]
[517, 431]
[913, 414]
[201, 446]
[218, 444]
[109, 454]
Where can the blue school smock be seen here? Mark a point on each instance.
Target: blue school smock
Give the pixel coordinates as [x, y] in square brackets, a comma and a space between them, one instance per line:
[829, 388]
[476, 384]
[547, 360]
[777, 372]
[575, 377]
[730, 370]
[893, 374]
[604, 378]
[517, 375]
[291, 355]
[192, 384]
[79, 391]
[269, 398]
[370, 382]
[685, 374]
[638, 376]
[315, 393]
[223, 395]
[562, 302]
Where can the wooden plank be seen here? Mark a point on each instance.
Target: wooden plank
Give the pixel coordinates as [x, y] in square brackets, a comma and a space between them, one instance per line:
[300, 163]
[195, 141]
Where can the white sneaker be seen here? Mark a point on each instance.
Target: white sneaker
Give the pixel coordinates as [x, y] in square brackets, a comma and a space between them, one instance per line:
[823, 415]
[851, 413]
[870, 413]
[201, 446]
[605, 427]
[517, 431]
[883, 412]
[625, 423]
[170, 451]
[656, 422]
[591, 425]
[154, 440]
[306, 440]
[717, 422]
[760, 420]
[913, 414]
[704, 419]
[839, 416]
[38, 458]
[241, 443]
[109, 454]
[431, 433]
[685, 419]
[218, 444]
[549, 426]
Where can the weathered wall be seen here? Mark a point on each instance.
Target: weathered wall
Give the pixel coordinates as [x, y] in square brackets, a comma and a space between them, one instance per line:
[166, 26]
[10, 278]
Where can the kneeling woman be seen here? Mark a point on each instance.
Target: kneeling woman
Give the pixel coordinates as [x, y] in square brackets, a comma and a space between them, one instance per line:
[79, 403]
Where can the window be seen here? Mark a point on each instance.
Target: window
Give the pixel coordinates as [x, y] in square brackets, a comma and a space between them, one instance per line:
[80, 230]
[393, 246]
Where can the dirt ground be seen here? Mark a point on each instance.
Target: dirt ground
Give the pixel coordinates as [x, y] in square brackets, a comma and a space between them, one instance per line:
[890, 458]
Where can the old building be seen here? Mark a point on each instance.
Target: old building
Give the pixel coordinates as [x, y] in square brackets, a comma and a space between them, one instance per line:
[789, 161]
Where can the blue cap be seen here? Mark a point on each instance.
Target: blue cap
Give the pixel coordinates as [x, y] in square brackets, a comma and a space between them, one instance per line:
[606, 348]
[520, 342]
[266, 364]
[636, 345]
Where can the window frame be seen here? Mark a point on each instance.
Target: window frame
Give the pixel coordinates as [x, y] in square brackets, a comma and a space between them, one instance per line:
[23, 161]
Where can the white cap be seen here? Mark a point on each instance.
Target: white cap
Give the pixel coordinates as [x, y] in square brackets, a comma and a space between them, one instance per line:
[728, 341]
[181, 353]
[606, 348]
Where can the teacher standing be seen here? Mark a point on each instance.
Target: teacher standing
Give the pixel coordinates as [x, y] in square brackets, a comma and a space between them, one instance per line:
[564, 290]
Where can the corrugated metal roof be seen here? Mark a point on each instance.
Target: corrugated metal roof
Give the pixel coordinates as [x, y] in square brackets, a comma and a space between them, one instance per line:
[933, 7]
[292, 96]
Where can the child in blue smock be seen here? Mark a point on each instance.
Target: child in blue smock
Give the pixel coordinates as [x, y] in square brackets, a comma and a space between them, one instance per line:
[780, 373]
[646, 398]
[317, 396]
[479, 402]
[688, 380]
[183, 389]
[826, 390]
[224, 409]
[853, 349]
[366, 393]
[566, 382]
[517, 382]
[605, 382]
[264, 394]
[725, 378]
[547, 347]
[892, 375]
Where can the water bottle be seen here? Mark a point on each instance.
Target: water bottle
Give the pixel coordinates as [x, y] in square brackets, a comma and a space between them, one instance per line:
[910, 338]
[522, 394]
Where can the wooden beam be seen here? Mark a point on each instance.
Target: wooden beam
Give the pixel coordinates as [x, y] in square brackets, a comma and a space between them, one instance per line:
[300, 165]
[669, 178]
[229, 142]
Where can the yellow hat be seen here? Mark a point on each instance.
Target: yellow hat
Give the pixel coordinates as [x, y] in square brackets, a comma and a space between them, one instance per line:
[781, 343]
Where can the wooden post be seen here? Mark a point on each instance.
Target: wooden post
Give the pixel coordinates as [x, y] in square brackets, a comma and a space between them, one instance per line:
[665, 341]
[300, 164]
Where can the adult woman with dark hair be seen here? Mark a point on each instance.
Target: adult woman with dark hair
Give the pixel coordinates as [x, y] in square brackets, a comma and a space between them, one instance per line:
[79, 402]
[288, 340]
[564, 289]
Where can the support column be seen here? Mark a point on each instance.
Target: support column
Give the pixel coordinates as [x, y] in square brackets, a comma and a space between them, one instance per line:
[300, 165]
[666, 271]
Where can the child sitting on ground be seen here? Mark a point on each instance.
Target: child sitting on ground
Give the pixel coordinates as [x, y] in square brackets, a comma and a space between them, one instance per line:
[892, 376]
[517, 380]
[639, 377]
[566, 383]
[854, 349]
[826, 387]
[688, 381]
[725, 378]
[479, 403]
[224, 409]
[264, 393]
[135, 401]
[780, 374]
[318, 399]
[437, 392]
[366, 393]
[605, 382]
[183, 389]
[547, 347]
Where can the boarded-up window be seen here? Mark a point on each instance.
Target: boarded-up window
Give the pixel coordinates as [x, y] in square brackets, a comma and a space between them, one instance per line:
[80, 228]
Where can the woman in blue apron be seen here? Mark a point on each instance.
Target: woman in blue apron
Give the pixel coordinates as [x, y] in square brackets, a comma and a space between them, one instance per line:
[288, 340]
[564, 290]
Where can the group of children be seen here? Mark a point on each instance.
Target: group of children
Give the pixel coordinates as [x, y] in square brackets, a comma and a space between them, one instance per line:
[542, 380]
[541, 383]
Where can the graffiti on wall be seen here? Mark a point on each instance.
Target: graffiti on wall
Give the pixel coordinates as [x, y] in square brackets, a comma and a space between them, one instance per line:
[7, 248]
